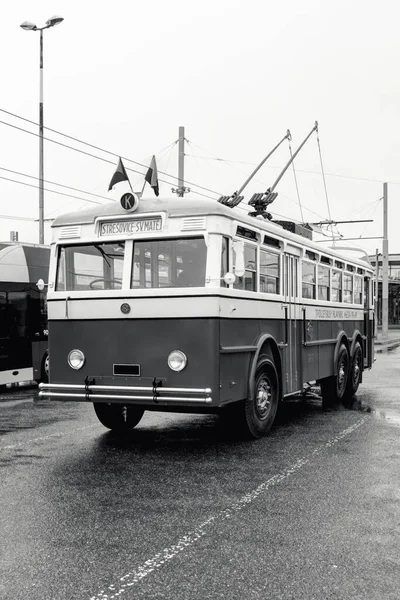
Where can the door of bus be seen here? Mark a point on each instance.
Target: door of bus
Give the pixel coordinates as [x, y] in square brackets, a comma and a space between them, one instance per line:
[368, 324]
[292, 354]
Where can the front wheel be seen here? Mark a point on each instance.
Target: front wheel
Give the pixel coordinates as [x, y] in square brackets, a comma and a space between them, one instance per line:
[261, 407]
[118, 417]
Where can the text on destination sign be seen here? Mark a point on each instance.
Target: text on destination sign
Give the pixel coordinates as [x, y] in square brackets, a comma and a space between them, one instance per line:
[130, 227]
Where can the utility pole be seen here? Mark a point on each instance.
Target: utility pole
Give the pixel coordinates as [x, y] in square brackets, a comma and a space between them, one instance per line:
[181, 190]
[376, 290]
[385, 267]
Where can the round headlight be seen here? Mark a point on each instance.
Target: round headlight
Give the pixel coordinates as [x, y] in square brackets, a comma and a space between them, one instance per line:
[76, 359]
[177, 360]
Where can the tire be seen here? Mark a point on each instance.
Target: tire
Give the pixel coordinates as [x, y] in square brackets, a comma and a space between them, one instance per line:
[260, 410]
[45, 368]
[333, 389]
[355, 372]
[118, 417]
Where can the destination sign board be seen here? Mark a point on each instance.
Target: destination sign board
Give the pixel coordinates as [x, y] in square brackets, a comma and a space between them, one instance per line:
[131, 227]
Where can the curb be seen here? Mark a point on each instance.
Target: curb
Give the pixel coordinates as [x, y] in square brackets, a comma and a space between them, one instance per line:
[389, 346]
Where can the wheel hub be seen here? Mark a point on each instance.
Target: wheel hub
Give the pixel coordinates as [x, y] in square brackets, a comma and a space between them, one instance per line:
[263, 398]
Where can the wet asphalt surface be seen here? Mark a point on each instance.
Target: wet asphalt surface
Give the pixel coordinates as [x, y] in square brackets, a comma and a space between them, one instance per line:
[180, 510]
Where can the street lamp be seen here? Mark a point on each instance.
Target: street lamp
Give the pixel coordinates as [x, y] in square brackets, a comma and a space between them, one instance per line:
[28, 26]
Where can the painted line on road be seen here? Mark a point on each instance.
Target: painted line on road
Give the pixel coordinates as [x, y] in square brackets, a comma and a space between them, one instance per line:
[45, 437]
[158, 560]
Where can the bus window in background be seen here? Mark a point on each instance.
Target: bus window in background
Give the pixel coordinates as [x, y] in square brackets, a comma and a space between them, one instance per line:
[6, 318]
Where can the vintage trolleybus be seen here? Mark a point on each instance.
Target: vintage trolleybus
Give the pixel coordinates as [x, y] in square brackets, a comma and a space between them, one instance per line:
[192, 306]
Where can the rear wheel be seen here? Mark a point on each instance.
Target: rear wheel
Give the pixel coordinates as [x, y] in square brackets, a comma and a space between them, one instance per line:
[118, 417]
[260, 409]
[333, 388]
[355, 372]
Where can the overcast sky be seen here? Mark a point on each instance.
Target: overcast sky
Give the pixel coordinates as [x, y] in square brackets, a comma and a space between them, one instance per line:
[237, 74]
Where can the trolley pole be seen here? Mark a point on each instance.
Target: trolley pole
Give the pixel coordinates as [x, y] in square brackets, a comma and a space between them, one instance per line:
[385, 267]
[181, 163]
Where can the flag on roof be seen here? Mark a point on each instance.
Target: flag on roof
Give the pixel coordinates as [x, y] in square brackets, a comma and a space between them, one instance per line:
[152, 176]
[119, 175]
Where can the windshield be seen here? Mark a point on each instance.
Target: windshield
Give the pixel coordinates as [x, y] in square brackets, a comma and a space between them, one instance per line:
[169, 263]
[156, 264]
[90, 267]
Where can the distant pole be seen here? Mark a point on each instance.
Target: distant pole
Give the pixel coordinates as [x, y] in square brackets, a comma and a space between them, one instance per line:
[181, 163]
[385, 267]
[41, 161]
[376, 290]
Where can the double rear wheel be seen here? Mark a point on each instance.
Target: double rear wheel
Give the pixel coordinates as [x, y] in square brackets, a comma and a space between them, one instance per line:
[342, 386]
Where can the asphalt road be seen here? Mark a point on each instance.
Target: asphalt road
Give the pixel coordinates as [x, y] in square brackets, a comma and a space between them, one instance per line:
[179, 510]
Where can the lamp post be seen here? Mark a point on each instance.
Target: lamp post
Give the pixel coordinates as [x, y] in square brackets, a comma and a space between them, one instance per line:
[28, 26]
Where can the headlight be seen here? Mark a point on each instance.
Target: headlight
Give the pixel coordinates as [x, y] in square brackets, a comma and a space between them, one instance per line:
[177, 360]
[76, 359]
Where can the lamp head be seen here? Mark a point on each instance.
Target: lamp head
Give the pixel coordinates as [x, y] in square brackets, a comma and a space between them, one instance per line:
[28, 26]
[54, 21]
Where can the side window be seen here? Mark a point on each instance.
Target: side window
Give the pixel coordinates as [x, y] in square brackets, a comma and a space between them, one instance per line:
[248, 281]
[336, 286]
[324, 290]
[348, 289]
[224, 260]
[269, 272]
[308, 280]
[358, 290]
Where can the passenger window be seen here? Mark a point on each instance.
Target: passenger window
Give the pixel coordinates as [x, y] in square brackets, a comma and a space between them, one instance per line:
[269, 272]
[248, 281]
[358, 290]
[224, 260]
[308, 280]
[348, 289]
[323, 283]
[336, 286]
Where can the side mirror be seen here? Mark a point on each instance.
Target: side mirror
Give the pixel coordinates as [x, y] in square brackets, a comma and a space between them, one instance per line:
[41, 285]
[238, 250]
[229, 278]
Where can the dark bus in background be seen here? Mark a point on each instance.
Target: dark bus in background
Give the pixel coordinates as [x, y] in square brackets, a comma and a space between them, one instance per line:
[23, 313]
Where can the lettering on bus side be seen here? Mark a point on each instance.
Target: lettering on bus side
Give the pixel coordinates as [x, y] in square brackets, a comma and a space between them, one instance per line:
[130, 227]
[335, 313]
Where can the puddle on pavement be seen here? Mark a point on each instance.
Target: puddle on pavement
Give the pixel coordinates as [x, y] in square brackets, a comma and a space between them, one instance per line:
[393, 416]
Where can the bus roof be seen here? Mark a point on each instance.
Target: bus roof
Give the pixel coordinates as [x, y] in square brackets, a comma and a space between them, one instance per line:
[175, 207]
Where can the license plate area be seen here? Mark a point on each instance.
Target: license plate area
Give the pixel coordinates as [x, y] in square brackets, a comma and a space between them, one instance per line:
[124, 370]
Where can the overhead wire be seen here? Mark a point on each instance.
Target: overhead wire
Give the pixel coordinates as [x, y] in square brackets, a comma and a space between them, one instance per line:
[55, 183]
[95, 148]
[47, 190]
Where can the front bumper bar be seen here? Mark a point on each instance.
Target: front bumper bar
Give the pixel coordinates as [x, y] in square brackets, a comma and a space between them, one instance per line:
[121, 393]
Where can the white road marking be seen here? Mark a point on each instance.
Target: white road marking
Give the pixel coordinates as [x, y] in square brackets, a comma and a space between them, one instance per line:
[159, 559]
[46, 437]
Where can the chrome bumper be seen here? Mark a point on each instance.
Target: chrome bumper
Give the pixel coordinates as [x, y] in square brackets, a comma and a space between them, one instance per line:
[121, 393]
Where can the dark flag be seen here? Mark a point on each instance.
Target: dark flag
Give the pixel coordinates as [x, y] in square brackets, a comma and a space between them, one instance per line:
[119, 175]
[152, 176]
